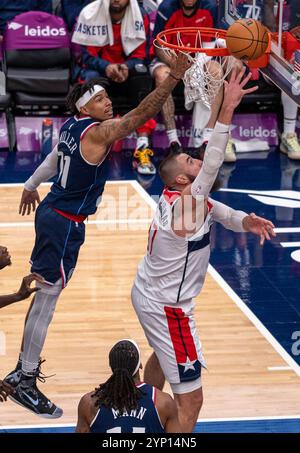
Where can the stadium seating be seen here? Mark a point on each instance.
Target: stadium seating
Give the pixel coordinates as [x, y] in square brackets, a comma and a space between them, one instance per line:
[38, 57]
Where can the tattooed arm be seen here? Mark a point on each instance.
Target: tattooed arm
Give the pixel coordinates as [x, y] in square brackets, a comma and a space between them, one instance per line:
[112, 130]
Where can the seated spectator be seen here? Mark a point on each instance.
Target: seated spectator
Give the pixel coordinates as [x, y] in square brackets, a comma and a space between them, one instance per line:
[24, 292]
[70, 10]
[119, 61]
[9, 9]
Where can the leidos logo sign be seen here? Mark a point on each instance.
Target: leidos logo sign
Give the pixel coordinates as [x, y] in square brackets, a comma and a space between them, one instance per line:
[38, 31]
[256, 132]
[45, 31]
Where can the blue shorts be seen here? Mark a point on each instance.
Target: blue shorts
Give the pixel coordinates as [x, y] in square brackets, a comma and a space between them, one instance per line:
[57, 244]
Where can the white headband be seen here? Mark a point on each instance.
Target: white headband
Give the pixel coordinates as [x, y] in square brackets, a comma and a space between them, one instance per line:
[87, 96]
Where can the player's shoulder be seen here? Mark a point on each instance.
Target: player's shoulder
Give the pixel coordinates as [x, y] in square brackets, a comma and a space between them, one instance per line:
[86, 400]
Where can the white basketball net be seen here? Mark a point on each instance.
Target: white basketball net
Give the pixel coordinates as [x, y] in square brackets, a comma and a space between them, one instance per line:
[206, 76]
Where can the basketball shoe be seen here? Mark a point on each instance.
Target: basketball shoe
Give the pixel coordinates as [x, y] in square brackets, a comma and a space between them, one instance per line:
[290, 146]
[14, 377]
[142, 162]
[28, 395]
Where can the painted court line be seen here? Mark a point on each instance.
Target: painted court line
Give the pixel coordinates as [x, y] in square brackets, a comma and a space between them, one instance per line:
[279, 368]
[258, 324]
[290, 244]
[203, 420]
[90, 222]
[287, 230]
[48, 184]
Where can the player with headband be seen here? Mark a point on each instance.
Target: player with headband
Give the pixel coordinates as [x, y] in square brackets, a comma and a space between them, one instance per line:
[80, 163]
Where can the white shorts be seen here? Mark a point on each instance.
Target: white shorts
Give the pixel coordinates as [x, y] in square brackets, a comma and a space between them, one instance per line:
[171, 332]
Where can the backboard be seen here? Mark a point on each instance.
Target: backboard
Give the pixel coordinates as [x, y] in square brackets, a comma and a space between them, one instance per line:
[281, 72]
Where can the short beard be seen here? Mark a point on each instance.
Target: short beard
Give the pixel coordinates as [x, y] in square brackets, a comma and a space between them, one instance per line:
[117, 10]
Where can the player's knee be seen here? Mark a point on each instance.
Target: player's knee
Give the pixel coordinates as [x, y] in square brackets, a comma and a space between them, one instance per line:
[54, 289]
[189, 405]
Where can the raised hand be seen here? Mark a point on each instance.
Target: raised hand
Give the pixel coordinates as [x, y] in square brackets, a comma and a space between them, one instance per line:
[28, 202]
[234, 88]
[180, 64]
[259, 226]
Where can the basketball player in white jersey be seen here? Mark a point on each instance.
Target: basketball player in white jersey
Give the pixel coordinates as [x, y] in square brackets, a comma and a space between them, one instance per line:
[173, 271]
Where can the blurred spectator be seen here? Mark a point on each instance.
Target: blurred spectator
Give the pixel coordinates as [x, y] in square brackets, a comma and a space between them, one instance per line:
[70, 10]
[121, 72]
[187, 13]
[11, 8]
[266, 12]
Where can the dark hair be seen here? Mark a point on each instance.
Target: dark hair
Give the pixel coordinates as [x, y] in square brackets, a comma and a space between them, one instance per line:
[167, 169]
[119, 392]
[77, 91]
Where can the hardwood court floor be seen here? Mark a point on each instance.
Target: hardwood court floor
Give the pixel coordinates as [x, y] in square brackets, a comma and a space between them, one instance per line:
[94, 311]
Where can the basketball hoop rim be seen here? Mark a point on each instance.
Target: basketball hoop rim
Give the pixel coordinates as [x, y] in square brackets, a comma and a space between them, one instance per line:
[204, 32]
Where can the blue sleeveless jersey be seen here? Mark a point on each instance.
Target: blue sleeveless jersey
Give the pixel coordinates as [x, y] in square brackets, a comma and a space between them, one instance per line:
[144, 419]
[79, 185]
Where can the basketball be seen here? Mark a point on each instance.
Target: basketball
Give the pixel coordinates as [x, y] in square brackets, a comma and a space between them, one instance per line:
[247, 39]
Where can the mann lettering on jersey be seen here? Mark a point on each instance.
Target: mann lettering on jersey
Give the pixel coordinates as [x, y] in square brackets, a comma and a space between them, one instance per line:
[139, 414]
[144, 419]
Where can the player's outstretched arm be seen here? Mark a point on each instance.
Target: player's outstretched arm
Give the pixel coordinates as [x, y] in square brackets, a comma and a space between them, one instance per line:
[112, 130]
[234, 91]
[30, 197]
[240, 221]
[259, 226]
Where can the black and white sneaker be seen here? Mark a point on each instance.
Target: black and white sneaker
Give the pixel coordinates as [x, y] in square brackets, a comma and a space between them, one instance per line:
[14, 377]
[27, 394]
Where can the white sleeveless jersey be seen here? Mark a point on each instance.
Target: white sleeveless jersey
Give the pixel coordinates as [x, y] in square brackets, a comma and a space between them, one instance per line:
[174, 268]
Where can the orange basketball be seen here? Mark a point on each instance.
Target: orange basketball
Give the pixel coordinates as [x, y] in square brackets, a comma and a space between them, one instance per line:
[247, 39]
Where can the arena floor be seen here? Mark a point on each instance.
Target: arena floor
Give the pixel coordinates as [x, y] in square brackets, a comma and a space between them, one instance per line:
[248, 313]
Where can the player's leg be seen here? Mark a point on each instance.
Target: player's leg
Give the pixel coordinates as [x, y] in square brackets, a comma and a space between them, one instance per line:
[54, 257]
[170, 331]
[189, 405]
[153, 374]
[289, 141]
[160, 72]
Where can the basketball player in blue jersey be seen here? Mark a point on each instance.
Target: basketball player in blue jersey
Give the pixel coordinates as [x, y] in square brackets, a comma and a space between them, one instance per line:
[124, 404]
[80, 162]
